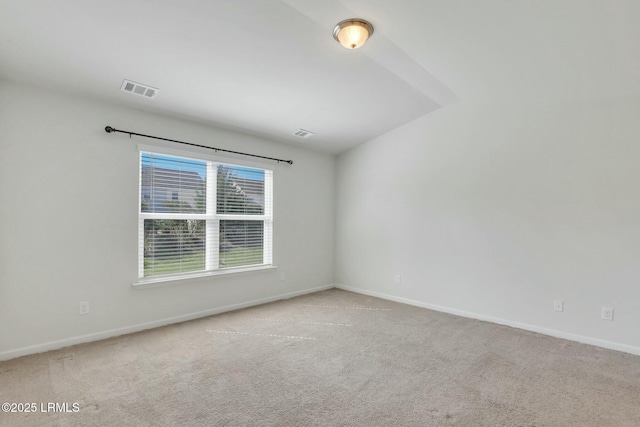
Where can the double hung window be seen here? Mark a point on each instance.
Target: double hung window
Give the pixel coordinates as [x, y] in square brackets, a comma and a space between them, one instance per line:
[200, 215]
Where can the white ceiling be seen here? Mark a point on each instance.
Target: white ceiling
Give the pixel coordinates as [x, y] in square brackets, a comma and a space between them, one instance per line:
[270, 67]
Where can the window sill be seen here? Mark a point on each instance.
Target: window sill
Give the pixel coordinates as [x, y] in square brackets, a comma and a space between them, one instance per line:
[174, 280]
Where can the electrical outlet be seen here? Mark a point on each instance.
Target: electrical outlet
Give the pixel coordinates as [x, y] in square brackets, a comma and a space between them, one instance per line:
[558, 305]
[283, 276]
[83, 307]
[398, 279]
[607, 313]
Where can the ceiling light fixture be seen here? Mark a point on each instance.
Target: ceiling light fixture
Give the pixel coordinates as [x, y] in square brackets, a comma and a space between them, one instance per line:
[352, 33]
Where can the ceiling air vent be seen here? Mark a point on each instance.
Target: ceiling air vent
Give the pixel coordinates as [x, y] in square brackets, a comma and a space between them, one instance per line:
[301, 133]
[139, 89]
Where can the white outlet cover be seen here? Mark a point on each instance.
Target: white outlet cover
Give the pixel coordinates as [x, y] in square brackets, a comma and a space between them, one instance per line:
[607, 313]
[83, 307]
[558, 305]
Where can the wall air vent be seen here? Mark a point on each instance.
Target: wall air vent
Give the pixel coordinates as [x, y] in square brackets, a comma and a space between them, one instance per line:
[139, 89]
[301, 133]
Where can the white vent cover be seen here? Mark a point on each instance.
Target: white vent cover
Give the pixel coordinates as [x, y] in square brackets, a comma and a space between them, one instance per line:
[139, 89]
[301, 133]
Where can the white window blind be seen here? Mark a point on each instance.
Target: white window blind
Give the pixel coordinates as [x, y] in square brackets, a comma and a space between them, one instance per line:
[201, 215]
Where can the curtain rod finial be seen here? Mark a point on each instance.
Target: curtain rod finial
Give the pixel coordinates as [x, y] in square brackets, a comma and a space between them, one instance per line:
[109, 129]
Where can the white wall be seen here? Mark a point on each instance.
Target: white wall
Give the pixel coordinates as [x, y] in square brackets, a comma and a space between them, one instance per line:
[68, 222]
[495, 211]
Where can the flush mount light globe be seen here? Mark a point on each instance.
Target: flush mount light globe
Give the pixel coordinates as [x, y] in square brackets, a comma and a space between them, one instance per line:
[352, 33]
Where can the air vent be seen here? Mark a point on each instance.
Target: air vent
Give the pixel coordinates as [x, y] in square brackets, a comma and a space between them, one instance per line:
[301, 133]
[139, 89]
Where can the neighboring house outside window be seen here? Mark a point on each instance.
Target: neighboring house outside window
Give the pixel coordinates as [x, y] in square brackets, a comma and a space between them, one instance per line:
[201, 215]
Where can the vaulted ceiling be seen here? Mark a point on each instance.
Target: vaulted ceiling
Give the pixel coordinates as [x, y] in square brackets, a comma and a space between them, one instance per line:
[271, 67]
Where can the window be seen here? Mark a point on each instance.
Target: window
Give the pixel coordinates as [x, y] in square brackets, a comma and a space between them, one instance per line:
[200, 215]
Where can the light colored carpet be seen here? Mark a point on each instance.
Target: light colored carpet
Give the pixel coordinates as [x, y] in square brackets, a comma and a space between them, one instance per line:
[332, 358]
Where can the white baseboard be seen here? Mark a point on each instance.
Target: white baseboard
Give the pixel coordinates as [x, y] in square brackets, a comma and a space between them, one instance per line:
[54, 345]
[551, 332]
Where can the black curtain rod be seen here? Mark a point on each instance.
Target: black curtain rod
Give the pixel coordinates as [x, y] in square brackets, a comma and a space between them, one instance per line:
[110, 129]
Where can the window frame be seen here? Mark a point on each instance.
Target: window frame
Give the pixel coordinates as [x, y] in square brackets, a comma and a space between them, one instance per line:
[211, 217]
